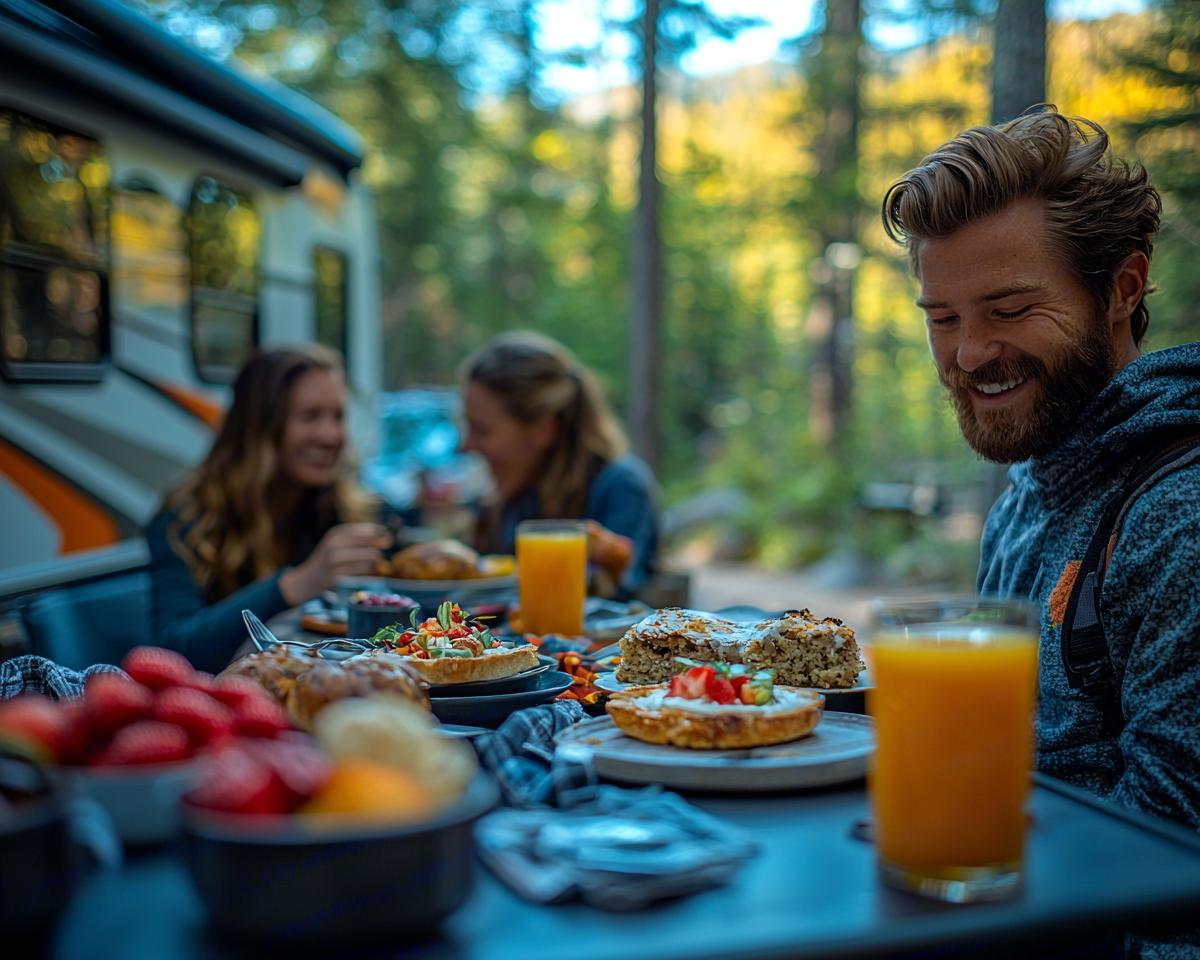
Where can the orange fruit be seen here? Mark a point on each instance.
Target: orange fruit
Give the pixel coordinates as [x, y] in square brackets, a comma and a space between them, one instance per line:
[371, 790]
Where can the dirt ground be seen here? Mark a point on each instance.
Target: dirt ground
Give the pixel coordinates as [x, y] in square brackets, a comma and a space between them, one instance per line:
[717, 585]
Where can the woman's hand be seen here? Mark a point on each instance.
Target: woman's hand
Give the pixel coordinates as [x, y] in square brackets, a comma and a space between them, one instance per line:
[347, 550]
[612, 551]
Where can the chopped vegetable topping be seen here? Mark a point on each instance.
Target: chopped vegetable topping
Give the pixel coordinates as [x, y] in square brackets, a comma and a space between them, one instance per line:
[451, 633]
[722, 683]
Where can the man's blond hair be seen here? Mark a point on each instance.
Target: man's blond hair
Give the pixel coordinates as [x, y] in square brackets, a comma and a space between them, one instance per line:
[1099, 210]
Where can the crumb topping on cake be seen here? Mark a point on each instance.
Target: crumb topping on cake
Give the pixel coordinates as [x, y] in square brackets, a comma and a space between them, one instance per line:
[804, 650]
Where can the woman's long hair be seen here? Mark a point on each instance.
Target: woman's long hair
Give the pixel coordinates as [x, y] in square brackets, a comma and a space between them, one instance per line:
[226, 529]
[534, 377]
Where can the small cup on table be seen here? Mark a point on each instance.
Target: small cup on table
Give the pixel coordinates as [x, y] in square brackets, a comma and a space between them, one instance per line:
[367, 613]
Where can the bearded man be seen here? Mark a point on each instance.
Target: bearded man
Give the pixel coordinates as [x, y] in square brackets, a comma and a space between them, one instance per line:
[1033, 247]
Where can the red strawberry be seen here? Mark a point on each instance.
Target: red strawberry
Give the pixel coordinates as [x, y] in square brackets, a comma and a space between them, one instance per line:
[235, 782]
[301, 766]
[233, 690]
[157, 668]
[34, 723]
[79, 737]
[691, 684]
[198, 713]
[260, 716]
[146, 741]
[111, 701]
[200, 680]
[719, 688]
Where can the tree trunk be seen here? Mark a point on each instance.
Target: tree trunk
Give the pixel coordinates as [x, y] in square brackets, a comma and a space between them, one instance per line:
[1018, 83]
[834, 82]
[645, 318]
[1018, 58]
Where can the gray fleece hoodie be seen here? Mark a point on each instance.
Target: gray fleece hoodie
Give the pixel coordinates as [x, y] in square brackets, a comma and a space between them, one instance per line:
[1151, 597]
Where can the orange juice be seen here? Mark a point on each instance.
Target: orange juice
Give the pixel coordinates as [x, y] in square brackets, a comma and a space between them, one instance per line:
[954, 709]
[552, 564]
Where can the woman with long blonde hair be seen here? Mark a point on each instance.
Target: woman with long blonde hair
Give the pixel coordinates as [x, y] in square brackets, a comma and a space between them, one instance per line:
[540, 419]
[261, 524]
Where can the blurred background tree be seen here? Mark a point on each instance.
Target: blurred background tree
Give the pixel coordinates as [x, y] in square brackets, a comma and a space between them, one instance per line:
[800, 416]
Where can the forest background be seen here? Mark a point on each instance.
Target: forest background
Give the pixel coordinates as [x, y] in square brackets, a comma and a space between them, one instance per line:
[504, 206]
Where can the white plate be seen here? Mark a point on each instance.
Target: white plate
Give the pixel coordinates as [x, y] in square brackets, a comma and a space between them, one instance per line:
[837, 751]
[610, 684]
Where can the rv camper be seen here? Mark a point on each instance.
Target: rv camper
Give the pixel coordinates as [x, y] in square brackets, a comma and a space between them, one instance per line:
[160, 216]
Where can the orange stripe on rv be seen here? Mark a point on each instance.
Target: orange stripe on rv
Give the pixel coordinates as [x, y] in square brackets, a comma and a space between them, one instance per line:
[202, 408]
[83, 523]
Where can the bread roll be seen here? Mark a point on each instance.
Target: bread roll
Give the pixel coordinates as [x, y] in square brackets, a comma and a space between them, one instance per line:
[329, 682]
[437, 560]
[276, 668]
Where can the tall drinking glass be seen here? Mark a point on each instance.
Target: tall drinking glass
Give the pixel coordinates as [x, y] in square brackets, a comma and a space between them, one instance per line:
[955, 687]
[552, 563]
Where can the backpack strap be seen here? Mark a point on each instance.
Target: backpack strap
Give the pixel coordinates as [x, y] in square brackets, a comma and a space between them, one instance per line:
[1084, 647]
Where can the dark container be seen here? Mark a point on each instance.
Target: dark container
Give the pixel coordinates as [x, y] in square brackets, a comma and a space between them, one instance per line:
[491, 711]
[38, 866]
[49, 839]
[363, 622]
[284, 885]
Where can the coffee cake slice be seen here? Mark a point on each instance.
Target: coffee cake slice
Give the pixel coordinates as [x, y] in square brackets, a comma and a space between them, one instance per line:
[802, 650]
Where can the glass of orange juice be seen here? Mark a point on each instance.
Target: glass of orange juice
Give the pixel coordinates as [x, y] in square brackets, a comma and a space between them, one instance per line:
[953, 702]
[552, 565]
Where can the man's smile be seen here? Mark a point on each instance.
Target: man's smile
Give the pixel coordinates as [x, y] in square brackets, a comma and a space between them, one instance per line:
[997, 394]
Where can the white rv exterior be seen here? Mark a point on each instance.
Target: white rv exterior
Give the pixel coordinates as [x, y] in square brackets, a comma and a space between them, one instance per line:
[95, 425]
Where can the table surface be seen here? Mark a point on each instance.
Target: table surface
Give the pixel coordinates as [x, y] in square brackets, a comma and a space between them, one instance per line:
[812, 892]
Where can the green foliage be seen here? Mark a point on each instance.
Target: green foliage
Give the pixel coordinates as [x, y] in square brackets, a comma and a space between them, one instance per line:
[498, 210]
[1167, 139]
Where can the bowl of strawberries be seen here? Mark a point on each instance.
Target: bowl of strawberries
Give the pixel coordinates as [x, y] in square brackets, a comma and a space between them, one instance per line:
[362, 833]
[136, 741]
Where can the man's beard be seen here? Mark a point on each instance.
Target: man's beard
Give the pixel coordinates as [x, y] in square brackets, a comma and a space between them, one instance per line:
[1063, 390]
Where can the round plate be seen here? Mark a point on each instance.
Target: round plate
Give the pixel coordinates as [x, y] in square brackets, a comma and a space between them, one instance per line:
[491, 711]
[610, 684]
[429, 592]
[459, 732]
[477, 688]
[836, 752]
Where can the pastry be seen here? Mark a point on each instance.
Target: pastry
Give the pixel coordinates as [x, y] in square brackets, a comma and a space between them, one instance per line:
[361, 676]
[436, 560]
[454, 648]
[707, 708]
[276, 668]
[802, 650]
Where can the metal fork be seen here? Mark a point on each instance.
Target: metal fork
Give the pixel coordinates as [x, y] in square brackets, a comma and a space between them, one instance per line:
[259, 633]
[263, 638]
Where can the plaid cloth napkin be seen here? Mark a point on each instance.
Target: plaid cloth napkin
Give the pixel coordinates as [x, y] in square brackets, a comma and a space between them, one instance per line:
[618, 849]
[521, 756]
[39, 675]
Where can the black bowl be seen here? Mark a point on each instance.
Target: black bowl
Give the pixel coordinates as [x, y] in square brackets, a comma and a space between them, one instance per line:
[491, 711]
[287, 886]
[364, 622]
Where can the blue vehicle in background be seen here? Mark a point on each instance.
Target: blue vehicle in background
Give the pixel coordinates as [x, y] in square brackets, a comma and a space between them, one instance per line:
[418, 469]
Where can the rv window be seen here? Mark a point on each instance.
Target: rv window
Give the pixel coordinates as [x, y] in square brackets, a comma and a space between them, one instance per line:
[149, 257]
[223, 231]
[53, 251]
[330, 294]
